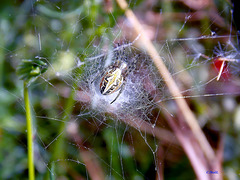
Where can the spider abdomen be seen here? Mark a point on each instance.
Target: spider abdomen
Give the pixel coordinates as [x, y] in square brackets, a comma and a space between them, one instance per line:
[111, 81]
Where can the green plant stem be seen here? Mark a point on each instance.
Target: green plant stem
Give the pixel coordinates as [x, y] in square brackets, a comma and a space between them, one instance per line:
[31, 172]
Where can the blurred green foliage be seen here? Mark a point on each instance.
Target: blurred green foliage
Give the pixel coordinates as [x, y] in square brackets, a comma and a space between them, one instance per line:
[62, 31]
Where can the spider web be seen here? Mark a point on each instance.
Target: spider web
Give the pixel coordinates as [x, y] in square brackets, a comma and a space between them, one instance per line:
[78, 133]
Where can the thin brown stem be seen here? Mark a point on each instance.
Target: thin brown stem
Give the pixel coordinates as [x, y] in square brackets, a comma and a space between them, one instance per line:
[196, 158]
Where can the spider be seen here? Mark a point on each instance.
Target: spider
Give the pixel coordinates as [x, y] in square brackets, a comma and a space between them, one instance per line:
[113, 78]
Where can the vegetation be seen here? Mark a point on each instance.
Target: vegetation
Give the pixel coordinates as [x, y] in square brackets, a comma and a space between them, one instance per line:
[45, 48]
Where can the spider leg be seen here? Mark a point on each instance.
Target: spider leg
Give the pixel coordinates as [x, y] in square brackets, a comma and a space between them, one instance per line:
[120, 92]
[133, 65]
[113, 65]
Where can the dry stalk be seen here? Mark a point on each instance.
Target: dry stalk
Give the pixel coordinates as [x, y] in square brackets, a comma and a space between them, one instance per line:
[160, 163]
[174, 90]
[195, 158]
[92, 165]
[146, 127]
